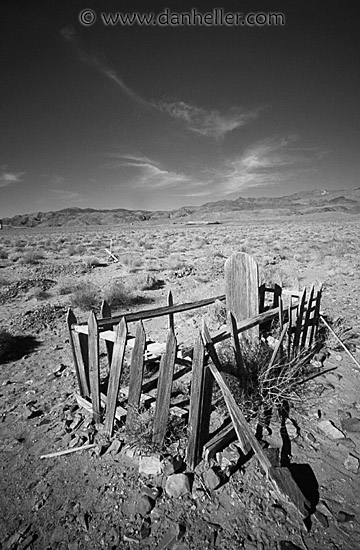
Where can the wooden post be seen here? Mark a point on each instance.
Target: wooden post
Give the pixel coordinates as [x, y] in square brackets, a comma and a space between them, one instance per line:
[170, 302]
[165, 380]
[309, 310]
[242, 374]
[242, 289]
[81, 369]
[200, 405]
[105, 312]
[262, 298]
[298, 324]
[94, 365]
[277, 294]
[115, 374]
[136, 374]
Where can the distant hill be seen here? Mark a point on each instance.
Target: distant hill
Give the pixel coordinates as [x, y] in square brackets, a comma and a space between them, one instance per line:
[306, 202]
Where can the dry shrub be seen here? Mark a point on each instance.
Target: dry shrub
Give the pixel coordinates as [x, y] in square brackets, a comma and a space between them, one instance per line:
[31, 257]
[117, 294]
[85, 296]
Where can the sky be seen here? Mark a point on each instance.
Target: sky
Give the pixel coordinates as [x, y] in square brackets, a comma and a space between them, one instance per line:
[100, 115]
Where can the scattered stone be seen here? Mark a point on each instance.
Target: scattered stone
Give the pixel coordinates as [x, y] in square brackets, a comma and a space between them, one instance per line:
[311, 437]
[344, 517]
[330, 429]
[338, 357]
[150, 465]
[177, 485]
[151, 492]
[343, 414]
[351, 463]
[211, 479]
[322, 519]
[145, 529]
[114, 447]
[351, 425]
[279, 513]
[172, 465]
[173, 535]
[347, 442]
[144, 505]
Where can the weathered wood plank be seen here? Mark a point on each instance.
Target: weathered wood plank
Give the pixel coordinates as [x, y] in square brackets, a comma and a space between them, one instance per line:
[218, 441]
[196, 397]
[237, 350]
[262, 290]
[120, 412]
[136, 374]
[170, 302]
[159, 312]
[299, 324]
[304, 337]
[115, 375]
[214, 357]
[94, 367]
[105, 312]
[81, 369]
[316, 317]
[242, 289]
[166, 371]
[277, 295]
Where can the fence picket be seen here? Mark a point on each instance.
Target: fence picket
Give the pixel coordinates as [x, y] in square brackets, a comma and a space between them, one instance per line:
[105, 312]
[81, 365]
[165, 380]
[94, 365]
[136, 374]
[115, 374]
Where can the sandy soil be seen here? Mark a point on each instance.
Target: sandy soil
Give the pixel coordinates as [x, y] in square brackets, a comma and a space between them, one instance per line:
[94, 499]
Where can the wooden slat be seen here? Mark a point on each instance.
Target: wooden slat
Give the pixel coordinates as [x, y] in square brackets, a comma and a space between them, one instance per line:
[94, 366]
[159, 312]
[166, 371]
[218, 441]
[281, 478]
[277, 347]
[316, 317]
[170, 301]
[289, 332]
[308, 312]
[237, 350]
[281, 313]
[120, 412]
[277, 294]
[115, 375]
[105, 312]
[214, 357]
[79, 363]
[262, 290]
[194, 450]
[136, 374]
[242, 289]
[299, 324]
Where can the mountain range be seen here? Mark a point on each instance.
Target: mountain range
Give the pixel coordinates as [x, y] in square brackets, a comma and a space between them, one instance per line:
[315, 203]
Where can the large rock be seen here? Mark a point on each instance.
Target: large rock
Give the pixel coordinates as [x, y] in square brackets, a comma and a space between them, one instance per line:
[330, 429]
[177, 485]
[150, 465]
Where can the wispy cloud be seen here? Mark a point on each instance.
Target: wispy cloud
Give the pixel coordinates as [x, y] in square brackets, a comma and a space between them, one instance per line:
[209, 123]
[66, 196]
[148, 174]
[9, 178]
[96, 61]
[271, 162]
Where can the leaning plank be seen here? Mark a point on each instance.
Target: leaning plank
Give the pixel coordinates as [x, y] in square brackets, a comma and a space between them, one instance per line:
[159, 312]
[242, 289]
[340, 342]
[277, 348]
[241, 426]
[281, 478]
[197, 389]
[214, 357]
[115, 374]
[80, 368]
[166, 371]
[94, 365]
[105, 311]
[316, 317]
[136, 374]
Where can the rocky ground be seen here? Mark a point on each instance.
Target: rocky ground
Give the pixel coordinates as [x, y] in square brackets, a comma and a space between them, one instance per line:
[115, 495]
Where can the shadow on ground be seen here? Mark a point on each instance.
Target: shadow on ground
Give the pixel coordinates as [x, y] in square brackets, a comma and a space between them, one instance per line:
[13, 348]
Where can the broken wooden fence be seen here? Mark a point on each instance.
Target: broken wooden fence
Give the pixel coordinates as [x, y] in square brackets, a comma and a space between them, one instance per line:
[297, 321]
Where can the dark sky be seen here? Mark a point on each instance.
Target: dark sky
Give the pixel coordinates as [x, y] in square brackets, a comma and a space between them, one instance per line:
[162, 116]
